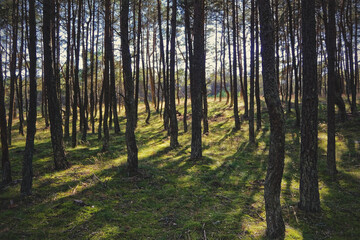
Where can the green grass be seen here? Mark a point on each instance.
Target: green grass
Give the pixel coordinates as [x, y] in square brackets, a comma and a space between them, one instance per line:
[220, 197]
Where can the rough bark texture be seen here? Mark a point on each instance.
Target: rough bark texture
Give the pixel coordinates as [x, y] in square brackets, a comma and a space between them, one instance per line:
[77, 99]
[294, 65]
[106, 76]
[274, 220]
[196, 81]
[27, 172]
[235, 90]
[67, 73]
[173, 120]
[13, 67]
[245, 96]
[130, 106]
[330, 32]
[252, 75]
[309, 190]
[53, 101]
[5, 163]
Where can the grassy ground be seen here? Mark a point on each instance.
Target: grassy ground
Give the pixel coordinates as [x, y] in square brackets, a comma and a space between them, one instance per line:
[220, 197]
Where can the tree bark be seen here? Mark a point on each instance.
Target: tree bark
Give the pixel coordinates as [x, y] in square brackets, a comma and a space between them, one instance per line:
[27, 170]
[173, 119]
[330, 32]
[5, 163]
[130, 106]
[13, 67]
[235, 91]
[294, 65]
[52, 96]
[252, 74]
[198, 78]
[309, 190]
[275, 224]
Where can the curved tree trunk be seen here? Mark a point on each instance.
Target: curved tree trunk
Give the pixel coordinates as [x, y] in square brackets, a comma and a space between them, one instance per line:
[275, 224]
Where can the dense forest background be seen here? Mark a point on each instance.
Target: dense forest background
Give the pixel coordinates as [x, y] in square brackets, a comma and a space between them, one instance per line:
[246, 106]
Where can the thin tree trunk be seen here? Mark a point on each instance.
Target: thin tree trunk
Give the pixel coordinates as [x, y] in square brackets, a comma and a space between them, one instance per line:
[13, 67]
[27, 170]
[330, 31]
[130, 106]
[257, 76]
[5, 163]
[294, 65]
[112, 82]
[173, 119]
[246, 114]
[252, 74]
[67, 73]
[145, 82]
[235, 93]
[106, 80]
[52, 96]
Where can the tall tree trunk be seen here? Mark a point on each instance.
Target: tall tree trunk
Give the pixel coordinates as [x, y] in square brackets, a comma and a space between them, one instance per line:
[112, 82]
[198, 78]
[257, 76]
[216, 59]
[294, 65]
[20, 69]
[27, 170]
[275, 224]
[145, 82]
[330, 32]
[226, 11]
[137, 59]
[173, 119]
[189, 58]
[186, 82]
[5, 163]
[309, 190]
[252, 74]
[52, 96]
[67, 72]
[246, 114]
[235, 91]
[162, 58]
[106, 87]
[130, 107]
[85, 74]
[92, 95]
[77, 98]
[13, 67]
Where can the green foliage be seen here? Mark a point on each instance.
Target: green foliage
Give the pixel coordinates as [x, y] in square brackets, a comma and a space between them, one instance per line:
[220, 197]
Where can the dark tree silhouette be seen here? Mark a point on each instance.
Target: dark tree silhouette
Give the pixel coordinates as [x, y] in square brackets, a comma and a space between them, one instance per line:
[309, 189]
[5, 163]
[27, 172]
[173, 120]
[196, 81]
[50, 82]
[130, 106]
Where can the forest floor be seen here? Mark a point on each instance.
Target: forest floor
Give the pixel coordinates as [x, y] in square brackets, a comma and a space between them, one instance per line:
[219, 197]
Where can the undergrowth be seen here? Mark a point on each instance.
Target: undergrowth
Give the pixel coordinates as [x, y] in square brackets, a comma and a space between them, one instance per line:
[219, 197]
